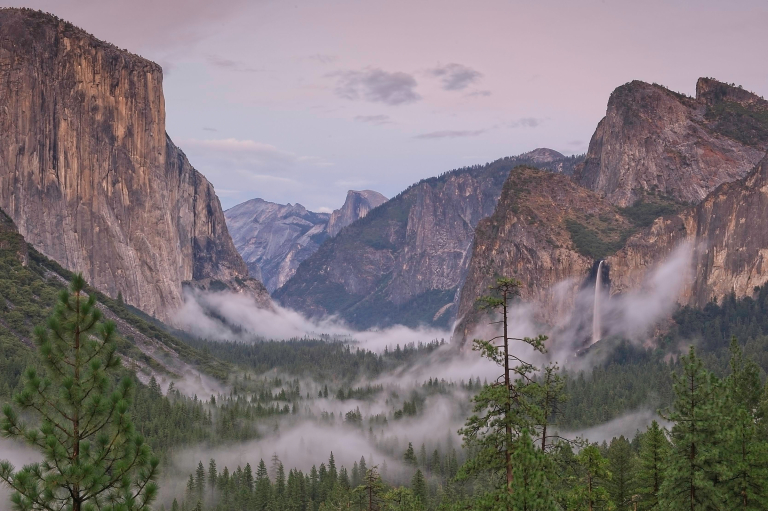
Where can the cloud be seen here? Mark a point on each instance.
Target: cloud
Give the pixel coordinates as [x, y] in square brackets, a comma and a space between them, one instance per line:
[456, 76]
[233, 65]
[526, 122]
[479, 94]
[374, 119]
[209, 129]
[323, 59]
[450, 134]
[248, 151]
[377, 86]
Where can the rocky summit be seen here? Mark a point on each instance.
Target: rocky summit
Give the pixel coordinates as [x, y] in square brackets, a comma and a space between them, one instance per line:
[655, 140]
[275, 238]
[89, 175]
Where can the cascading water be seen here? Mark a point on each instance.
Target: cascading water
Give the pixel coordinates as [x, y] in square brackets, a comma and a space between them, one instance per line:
[596, 325]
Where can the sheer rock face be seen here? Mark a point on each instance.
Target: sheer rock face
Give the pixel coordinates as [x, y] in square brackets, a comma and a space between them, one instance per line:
[275, 238]
[654, 140]
[728, 236]
[356, 206]
[405, 261]
[527, 238]
[89, 175]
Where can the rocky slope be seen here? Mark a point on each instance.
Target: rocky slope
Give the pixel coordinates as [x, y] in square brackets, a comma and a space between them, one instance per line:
[728, 236]
[356, 206]
[546, 230]
[274, 239]
[404, 262]
[653, 139]
[89, 175]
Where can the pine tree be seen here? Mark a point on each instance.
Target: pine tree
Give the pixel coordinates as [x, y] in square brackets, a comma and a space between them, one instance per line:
[505, 408]
[410, 456]
[745, 451]
[200, 479]
[621, 464]
[419, 486]
[654, 450]
[92, 454]
[689, 481]
[530, 487]
[263, 491]
[591, 494]
[212, 475]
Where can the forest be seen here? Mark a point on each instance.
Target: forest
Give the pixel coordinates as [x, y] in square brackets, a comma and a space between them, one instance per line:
[270, 388]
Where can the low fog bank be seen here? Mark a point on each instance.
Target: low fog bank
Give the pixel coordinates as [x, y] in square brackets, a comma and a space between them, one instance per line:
[308, 438]
[232, 316]
[628, 425]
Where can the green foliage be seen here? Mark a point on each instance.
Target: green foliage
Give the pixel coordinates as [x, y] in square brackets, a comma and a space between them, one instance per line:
[591, 242]
[693, 462]
[654, 452]
[747, 125]
[647, 209]
[93, 458]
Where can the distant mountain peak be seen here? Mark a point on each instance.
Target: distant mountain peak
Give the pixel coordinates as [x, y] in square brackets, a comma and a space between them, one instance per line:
[274, 239]
[356, 206]
[543, 155]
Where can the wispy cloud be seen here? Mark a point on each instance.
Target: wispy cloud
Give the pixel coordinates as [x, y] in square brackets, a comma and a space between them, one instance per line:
[479, 94]
[456, 76]
[233, 65]
[246, 151]
[209, 129]
[526, 122]
[323, 59]
[450, 134]
[377, 86]
[374, 119]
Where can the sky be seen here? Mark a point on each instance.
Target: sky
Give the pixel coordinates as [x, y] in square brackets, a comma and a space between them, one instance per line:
[300, 101]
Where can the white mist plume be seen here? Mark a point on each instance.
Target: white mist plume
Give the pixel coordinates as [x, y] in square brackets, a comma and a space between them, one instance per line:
[244, 321]
[628, 425]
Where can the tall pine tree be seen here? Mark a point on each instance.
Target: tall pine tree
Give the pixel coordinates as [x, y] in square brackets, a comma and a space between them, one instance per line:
[92, 455]
[692, 473]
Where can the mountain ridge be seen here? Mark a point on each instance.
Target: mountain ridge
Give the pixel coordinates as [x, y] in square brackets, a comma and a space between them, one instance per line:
[274, 239]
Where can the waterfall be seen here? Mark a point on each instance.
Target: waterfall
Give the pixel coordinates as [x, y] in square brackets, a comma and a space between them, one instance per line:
[596, 325]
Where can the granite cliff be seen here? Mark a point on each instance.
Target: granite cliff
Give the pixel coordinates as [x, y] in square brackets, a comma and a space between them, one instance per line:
[274, 239]
[655, 140]
[662, 170]
[89, 175]
[546, 230]
[405, 261]
[356, 206]
[727, 236]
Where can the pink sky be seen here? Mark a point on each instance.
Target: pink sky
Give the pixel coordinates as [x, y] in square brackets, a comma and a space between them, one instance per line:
[300, 101]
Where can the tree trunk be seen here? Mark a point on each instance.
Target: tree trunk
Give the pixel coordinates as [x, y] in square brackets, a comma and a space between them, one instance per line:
[507, 426]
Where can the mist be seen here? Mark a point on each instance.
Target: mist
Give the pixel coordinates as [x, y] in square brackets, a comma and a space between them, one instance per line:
[236, 317]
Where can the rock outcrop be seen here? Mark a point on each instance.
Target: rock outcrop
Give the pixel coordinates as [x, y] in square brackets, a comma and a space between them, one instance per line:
[530, 237]
[356, 206]
[728, 236]
[655, 140]
[274, 239]
[89, 175]
[405, 261]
